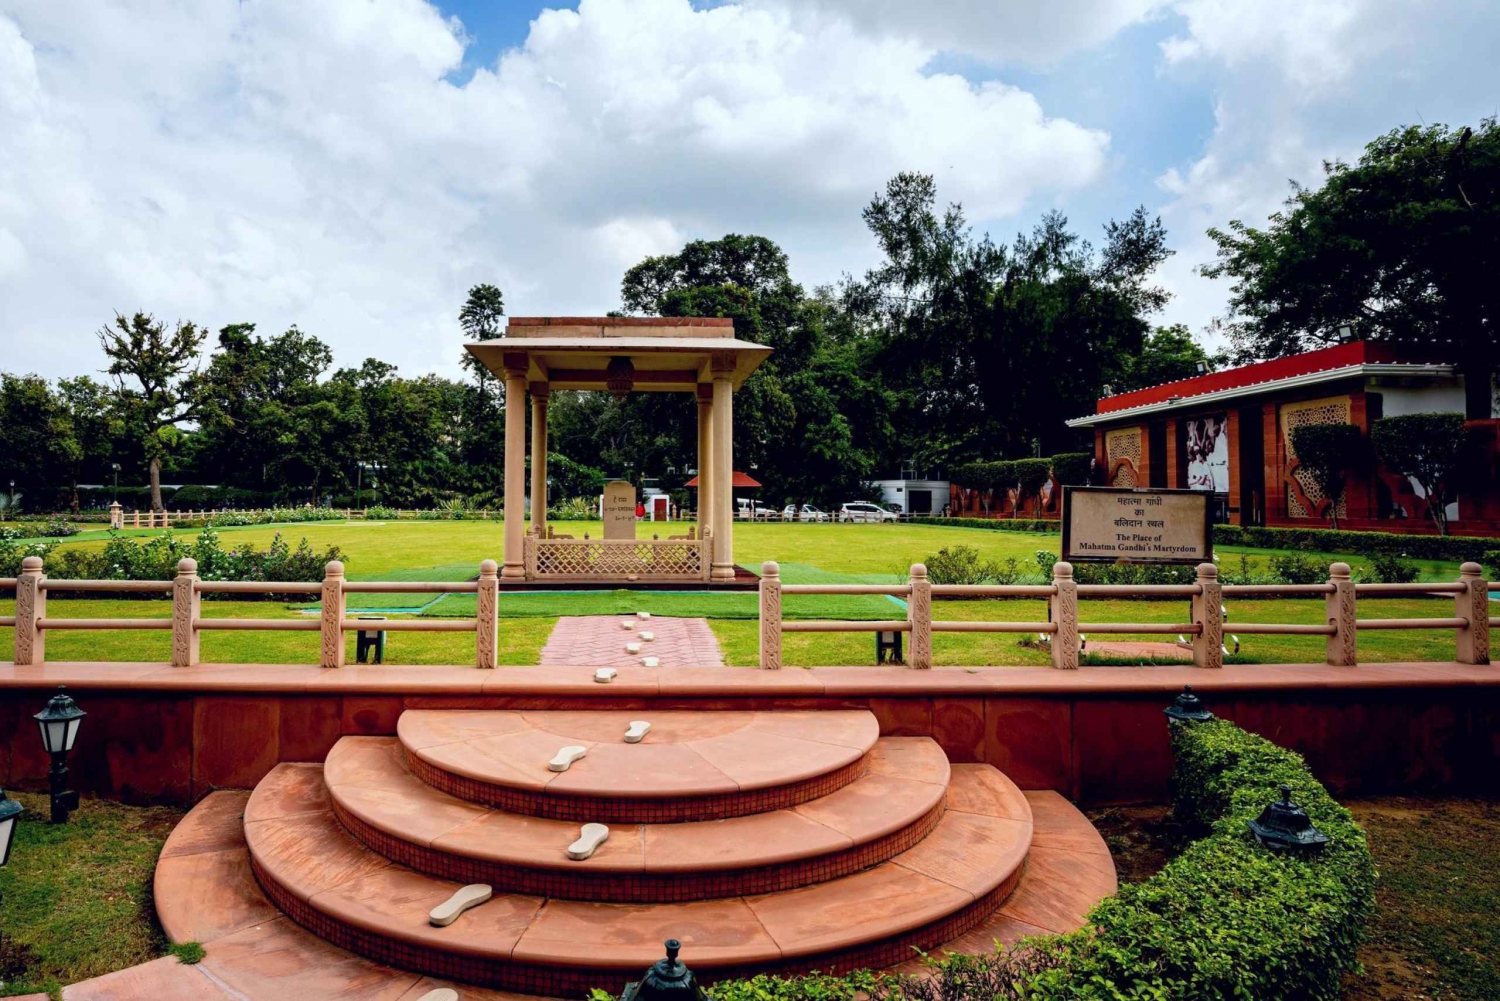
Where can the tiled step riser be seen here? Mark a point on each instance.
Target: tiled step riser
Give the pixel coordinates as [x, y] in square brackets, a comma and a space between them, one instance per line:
[559, 981]
[644, 888]
[619, 810]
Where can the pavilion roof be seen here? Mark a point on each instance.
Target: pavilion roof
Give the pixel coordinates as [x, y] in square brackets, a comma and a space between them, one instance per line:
[740, 480]
[572, 352]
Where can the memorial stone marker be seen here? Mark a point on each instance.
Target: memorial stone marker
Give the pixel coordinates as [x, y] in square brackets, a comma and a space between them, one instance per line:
[619, 510]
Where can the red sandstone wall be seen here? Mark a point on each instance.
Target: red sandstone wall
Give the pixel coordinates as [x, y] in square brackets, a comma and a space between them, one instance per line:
[1106, 749]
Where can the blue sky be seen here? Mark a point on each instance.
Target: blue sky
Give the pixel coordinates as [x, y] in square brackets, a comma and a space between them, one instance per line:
[354, 166]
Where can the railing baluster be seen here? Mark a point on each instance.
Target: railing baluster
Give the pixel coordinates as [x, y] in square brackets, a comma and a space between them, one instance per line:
[1064, 604]
[31, 608]
[333, 615]
[487, 616]
[770, 616]
[187, 603]
[1342, 610]
[1472, 644]
[1208, 615]
[919, 614]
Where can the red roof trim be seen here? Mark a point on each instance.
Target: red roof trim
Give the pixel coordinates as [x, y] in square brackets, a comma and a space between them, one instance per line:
[740, 480]
[620, 321]
[1323, 360]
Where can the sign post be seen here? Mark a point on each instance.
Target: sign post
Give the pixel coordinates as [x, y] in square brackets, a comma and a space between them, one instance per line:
[1140, 525]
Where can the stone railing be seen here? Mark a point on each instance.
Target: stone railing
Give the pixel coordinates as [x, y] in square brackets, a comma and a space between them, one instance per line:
[187, 623]
[680, 558]
[1063, 629]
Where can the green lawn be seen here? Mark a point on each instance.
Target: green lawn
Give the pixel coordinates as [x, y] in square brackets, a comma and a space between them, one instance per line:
[808, 553]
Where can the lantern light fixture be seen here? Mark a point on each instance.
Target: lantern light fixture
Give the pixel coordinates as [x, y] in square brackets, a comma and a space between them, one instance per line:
[619, 376]
[1283, 826]
[1188, 708]
[59, 723]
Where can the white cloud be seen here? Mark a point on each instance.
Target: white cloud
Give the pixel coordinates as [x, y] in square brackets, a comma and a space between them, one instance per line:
[1299, 82]
[286, 162]
[994, 29]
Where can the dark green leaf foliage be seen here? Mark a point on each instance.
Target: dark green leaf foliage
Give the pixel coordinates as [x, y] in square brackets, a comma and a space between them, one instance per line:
[1323, 540]
[1330, 452]
[1072, 468]
[124, 558]
[1436, 451]
[963, 565]
[1388, 568]
[1295, 568]
[1167, 354]
[1400, 246]
[1226, 919]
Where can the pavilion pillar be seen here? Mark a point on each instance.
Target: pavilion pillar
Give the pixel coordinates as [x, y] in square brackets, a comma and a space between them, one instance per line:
[723, 460]
[706, 469]
[540, 394]
[515, 466]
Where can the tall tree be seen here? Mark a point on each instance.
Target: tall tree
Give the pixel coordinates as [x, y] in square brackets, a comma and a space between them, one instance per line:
[1402, 246]
[481, 317]
[157, 383]
[1167, 354]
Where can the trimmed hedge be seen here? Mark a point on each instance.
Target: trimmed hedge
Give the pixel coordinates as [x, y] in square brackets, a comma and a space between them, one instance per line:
[1226, 919]
[1043, 525]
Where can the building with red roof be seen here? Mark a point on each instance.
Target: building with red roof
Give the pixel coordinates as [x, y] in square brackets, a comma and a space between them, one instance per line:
[1228, 432]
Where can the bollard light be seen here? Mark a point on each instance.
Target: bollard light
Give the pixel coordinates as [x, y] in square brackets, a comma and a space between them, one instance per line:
[667, 980]
[10, 812]
[59, 723]
[1284, 826]
[1188, 708]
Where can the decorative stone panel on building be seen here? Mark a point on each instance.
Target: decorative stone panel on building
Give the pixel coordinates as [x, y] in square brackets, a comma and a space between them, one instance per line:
[1122, 451]
[1330, 410]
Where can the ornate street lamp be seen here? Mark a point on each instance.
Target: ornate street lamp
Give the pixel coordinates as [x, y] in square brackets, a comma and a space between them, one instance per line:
[10, 812]
[667, 980]
[1187, 708]
[1283, 826]
[59, 723]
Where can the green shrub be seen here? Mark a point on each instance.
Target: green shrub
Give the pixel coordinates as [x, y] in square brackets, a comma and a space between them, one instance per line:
[1041, 525]
[1226, 919]
[13, 552]
[1389, 568]
[573, 509]
[1072, 468]
[380, 513]
[962, 565]
[1294, 568]
[1491, 564]
[1330, 453]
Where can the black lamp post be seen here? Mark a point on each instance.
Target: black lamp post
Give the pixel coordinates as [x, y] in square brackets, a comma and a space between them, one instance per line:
[59, 723]
[1283, 826]
[1188, 708]
[668, 979]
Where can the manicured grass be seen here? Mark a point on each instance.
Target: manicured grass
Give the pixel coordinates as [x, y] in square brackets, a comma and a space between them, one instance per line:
[77, 897]
[740, 639]
[521, 640]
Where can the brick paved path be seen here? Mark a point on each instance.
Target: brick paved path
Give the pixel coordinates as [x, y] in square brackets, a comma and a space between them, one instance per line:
[598, 641]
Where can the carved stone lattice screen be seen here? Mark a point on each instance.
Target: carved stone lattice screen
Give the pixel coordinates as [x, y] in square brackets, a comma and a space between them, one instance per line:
[1331, 410]
[589, 559]
[1123, 443]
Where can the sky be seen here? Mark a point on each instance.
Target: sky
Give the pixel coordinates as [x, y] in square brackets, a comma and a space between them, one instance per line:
[354, 166]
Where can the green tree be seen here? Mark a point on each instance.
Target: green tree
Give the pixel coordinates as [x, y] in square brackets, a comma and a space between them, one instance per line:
[1402, 246]
[157, 383]
[1435, 450]
[1167, 354]
[482, 318]
[1330, 452]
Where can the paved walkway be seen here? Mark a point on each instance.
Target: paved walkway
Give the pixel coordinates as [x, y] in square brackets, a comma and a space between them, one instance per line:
[599, 641]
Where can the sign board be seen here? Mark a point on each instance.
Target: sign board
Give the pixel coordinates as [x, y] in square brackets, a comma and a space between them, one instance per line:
[1107, 525]
[619, 510]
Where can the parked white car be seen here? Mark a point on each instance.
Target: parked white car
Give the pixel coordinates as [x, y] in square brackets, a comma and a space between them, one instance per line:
[807, 513]
[864, 511]
[754, 510]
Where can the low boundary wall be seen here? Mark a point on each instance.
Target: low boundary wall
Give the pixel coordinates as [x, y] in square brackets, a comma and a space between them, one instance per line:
[158, 733]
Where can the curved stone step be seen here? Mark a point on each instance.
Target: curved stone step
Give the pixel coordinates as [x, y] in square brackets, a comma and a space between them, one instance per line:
[885, 812]
[691, 766]
[324, 879]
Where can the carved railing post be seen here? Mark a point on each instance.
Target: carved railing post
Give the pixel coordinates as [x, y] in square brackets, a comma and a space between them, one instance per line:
[770, 616]
[487, 616]
[1208, 614]
[919, 614]
[1343, 643]
[1473, 603]
[187, 602]
[31, 608]
[1065, 617]
[333, 615]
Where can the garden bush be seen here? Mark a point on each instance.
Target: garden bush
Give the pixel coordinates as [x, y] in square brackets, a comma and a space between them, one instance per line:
[962, 565]
[1388, 568]
[381, 513]
[1072, 468]
[1294, 568]
[125, 558]
[1226, 919]
[1326, 540]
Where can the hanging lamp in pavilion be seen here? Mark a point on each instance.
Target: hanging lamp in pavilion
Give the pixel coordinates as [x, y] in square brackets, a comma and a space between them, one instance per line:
[619, 377]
